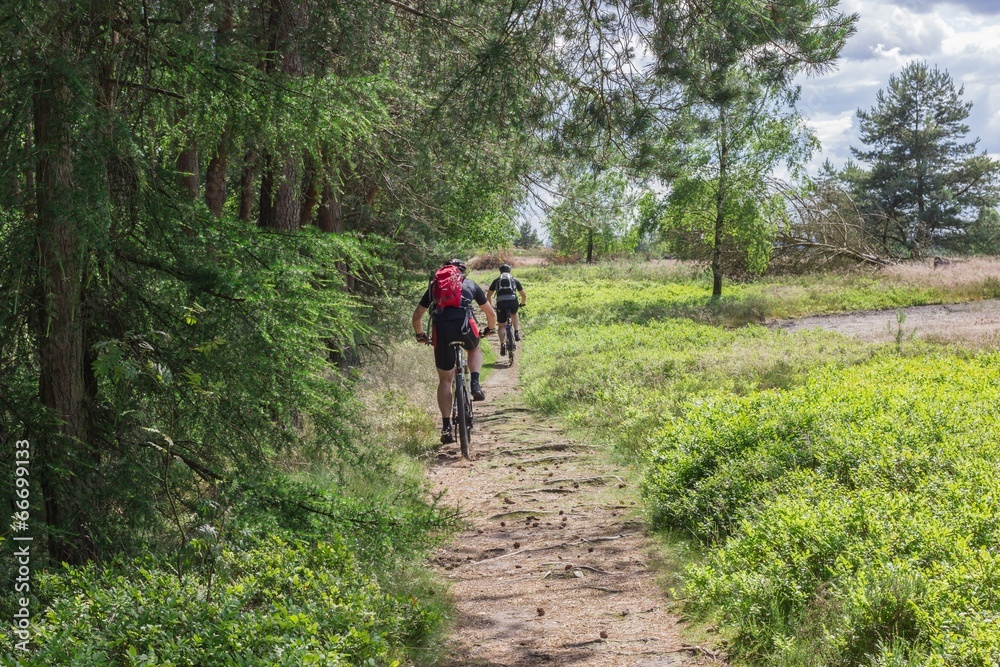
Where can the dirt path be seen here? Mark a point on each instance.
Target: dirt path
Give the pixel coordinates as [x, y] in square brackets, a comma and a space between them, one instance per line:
[978, 322]
[554, 568]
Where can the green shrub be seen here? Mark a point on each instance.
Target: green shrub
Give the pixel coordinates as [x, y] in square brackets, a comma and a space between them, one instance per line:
[862, 505]
[271, 603]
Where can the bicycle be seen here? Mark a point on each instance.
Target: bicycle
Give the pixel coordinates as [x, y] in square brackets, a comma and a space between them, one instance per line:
[461, 410]
[508, 344]
[461, 406]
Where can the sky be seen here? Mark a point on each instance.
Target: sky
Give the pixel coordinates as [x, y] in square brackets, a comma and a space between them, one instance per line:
[962, 37]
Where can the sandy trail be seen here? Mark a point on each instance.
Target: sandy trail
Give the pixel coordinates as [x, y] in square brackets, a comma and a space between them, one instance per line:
[555, 565]
[978, 322]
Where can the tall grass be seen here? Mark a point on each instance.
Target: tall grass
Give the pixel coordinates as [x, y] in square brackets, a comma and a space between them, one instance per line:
[398, 394]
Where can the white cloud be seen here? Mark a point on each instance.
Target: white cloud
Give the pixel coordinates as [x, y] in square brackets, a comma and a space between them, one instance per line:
[969, 6]
[962, 37]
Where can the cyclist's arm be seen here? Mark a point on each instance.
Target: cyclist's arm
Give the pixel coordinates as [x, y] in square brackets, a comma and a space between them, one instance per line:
[523, 298]
[491, 315]
[418, 319]
[484, 305]
[489, 296]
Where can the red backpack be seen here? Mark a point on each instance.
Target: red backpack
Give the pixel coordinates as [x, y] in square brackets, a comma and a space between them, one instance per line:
[446, 287]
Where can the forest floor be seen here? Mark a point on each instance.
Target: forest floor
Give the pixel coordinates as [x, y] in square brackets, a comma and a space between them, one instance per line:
[555, 566]
[977, 322]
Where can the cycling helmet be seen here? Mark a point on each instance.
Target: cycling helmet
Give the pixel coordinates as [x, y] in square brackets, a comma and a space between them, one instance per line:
[456, 262]
[505, 268]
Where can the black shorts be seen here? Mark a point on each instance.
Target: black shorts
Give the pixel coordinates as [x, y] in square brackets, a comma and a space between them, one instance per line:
[505, 309]
[447, 331]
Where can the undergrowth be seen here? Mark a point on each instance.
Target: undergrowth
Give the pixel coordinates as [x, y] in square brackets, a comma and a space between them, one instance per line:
[846, 494]
[315, 562]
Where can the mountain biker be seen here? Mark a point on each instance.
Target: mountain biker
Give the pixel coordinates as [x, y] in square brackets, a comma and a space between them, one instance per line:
[507, 287]
[455, 324]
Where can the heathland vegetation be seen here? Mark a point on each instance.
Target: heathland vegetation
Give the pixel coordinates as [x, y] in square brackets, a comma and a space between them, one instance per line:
[844, 494]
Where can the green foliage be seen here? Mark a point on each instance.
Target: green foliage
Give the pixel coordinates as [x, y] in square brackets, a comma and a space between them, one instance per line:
[265, 602]
[527, 236]
[613, 348]
[846, 494]
[591, 220]
[722, 205]
[637, 292]
[861, 502]
[926, 182]
[738, 120]
[981, 237]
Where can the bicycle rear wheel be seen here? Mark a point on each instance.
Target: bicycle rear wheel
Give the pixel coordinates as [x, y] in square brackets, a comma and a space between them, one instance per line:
[464, 416]
[510, 347]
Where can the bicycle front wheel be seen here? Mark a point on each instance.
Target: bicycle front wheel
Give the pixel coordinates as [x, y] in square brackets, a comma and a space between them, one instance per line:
[464, 418]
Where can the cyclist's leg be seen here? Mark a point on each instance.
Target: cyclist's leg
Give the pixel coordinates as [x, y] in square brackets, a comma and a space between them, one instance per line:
[515, 321]
[475, 361]
[444, 360]
[445, 378]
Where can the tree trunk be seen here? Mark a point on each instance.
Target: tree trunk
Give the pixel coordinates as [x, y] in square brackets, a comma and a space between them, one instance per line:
[265, 212]
[590, 245]
[215, 179]
[279, 202]
[309, 192]
[330, 218]
[187, 171]
[287, 205]
[60, 335]
[282, 173]
[720, 211]
[247, 178]
[29, 178]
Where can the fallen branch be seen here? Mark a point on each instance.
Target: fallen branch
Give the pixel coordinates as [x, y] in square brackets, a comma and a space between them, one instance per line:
[603, 589]
[579, 480]
[524, 551]
[609, 538]
[545, 459]
[526, 512]
[570, 566]
[538, 448]
[530, 491]
[561, 545]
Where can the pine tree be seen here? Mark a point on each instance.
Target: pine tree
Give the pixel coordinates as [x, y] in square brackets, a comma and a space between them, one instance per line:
[924, 178]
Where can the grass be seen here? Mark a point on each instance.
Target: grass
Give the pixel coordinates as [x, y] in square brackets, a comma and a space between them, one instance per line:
[845, 495]
[677, 289]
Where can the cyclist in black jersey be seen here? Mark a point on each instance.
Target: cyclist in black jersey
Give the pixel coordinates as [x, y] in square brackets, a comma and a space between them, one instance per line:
[455, 324]
[507, 288]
